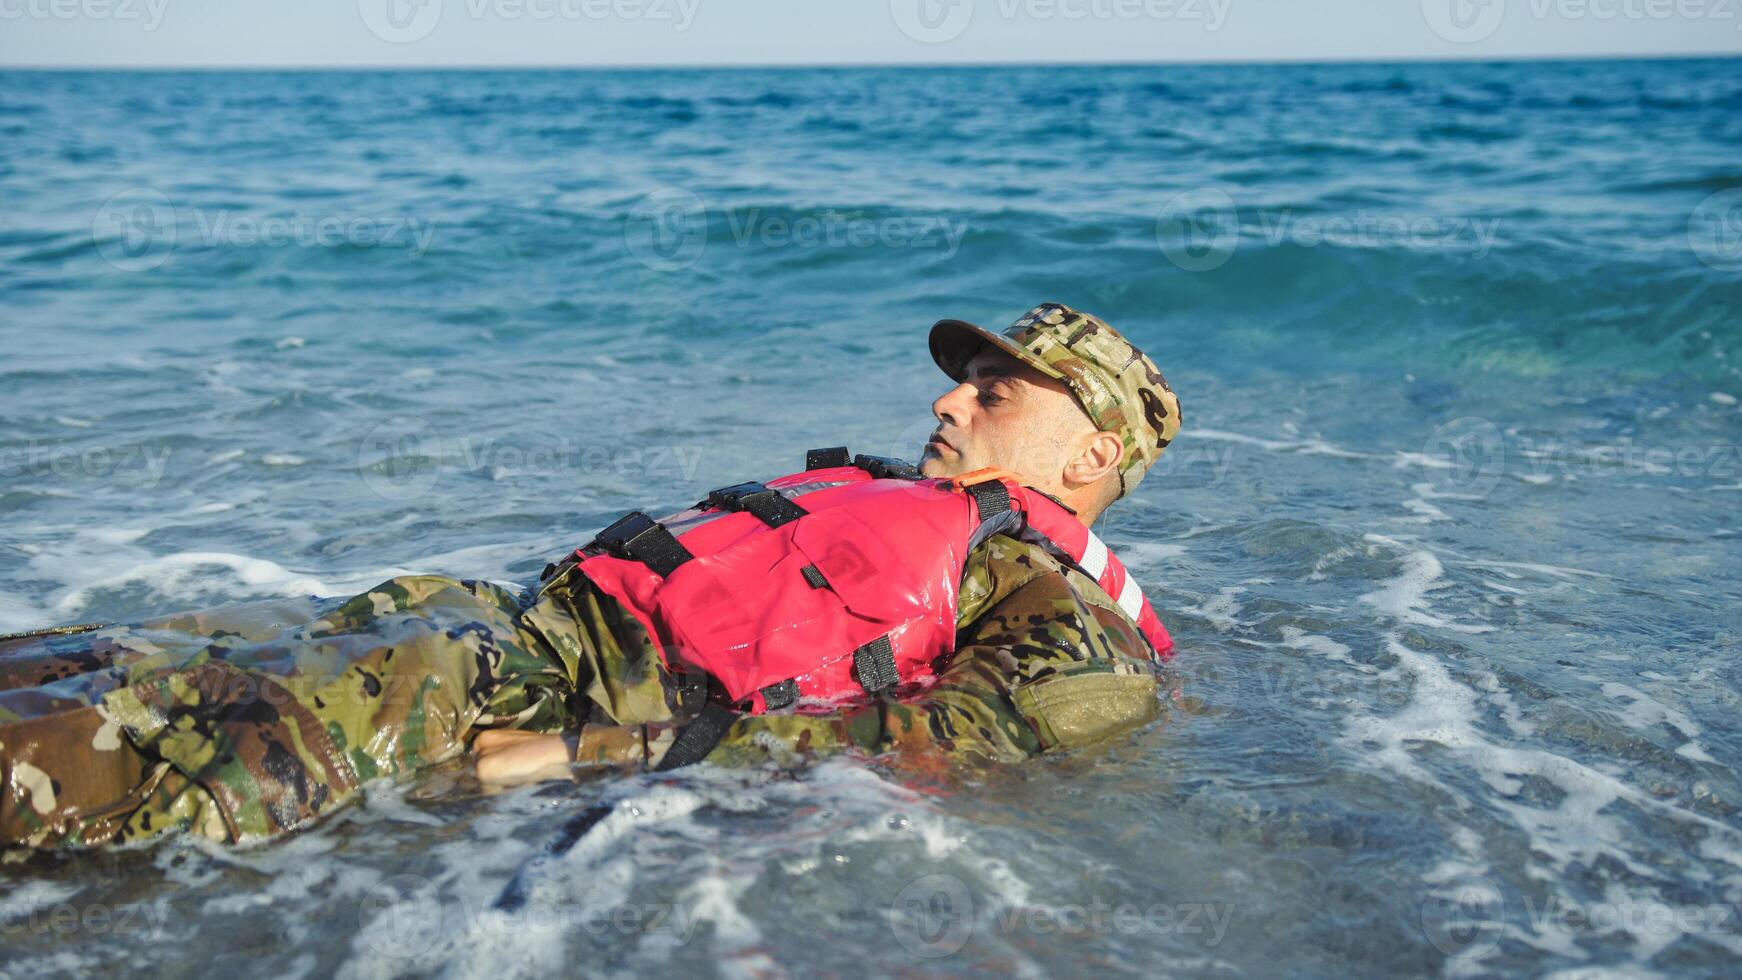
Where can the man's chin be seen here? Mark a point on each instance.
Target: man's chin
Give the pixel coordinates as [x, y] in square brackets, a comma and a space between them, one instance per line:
[932, 466]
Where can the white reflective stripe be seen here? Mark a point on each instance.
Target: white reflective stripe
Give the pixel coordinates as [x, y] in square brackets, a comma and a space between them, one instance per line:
[1094, 556]
[1131, 598]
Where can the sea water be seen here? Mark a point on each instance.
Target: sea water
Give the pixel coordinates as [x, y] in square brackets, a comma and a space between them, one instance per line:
[1448, 541]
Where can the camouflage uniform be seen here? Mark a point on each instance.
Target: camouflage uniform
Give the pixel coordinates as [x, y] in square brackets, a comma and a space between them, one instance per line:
[250, 720]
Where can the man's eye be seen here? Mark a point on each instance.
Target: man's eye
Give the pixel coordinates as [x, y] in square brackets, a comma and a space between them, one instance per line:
[988, 399]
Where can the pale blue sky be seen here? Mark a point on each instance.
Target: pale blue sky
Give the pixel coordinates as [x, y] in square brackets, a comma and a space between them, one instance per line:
[680, 32]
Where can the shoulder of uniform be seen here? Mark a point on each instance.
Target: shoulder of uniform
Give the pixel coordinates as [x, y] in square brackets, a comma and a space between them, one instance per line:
[1002, 549]
[1015, 561]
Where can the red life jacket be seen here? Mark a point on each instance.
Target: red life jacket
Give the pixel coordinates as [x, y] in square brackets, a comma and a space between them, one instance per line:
[833, 583]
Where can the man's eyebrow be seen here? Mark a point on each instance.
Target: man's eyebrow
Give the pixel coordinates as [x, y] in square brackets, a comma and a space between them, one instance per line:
[993, 371]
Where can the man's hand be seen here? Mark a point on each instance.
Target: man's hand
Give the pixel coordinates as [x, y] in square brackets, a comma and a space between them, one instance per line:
[506, 757]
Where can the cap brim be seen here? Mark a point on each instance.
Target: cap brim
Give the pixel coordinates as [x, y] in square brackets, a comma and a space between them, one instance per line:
[955, 342]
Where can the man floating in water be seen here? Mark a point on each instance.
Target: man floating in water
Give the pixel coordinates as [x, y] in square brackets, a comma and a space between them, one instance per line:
[958, 610]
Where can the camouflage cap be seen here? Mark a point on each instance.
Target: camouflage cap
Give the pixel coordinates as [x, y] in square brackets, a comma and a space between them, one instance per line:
[1119, 387]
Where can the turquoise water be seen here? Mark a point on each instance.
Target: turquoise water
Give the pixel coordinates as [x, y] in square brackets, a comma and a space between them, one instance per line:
[1448, 542]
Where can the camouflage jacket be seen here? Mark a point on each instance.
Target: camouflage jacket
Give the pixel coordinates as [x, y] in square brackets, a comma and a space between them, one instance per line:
[249, 720]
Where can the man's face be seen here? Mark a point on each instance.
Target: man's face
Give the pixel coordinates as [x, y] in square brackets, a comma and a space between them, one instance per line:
[1006, 414]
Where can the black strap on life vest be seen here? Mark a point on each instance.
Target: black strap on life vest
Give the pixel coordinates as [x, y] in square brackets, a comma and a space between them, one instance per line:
[698, 738]
[704, 731]
[874, 665]
[991, 498]
[770, 507]
[828, 458]
[887, 467]
[641, 538]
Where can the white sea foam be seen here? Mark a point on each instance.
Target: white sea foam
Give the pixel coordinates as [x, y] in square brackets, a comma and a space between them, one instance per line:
[181, 575]
[1220, 609]
[33, 895]
[1646, 714]
[1305, 447]
[1148, 556]
[1404, 598]
[1583, 829]
[1295, 638]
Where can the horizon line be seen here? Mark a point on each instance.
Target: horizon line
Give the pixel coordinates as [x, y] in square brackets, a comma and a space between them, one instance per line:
[861, 65]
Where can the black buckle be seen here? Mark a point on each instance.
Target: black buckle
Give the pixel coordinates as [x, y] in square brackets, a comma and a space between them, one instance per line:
[887, 467]
[731, 498]
[778, 696]
[824, 459]
[769, 506]
[641, 538]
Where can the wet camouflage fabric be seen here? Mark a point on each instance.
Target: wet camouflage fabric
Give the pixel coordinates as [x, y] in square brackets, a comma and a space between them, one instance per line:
[1117, 384]
[251, 720]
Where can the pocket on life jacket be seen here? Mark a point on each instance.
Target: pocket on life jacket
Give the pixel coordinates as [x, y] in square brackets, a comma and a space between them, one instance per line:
[751, 615]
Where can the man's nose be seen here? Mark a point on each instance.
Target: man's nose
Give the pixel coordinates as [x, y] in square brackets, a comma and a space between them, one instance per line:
[952, 407]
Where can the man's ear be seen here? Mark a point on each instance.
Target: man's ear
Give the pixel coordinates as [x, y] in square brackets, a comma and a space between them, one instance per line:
[1099, 458]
